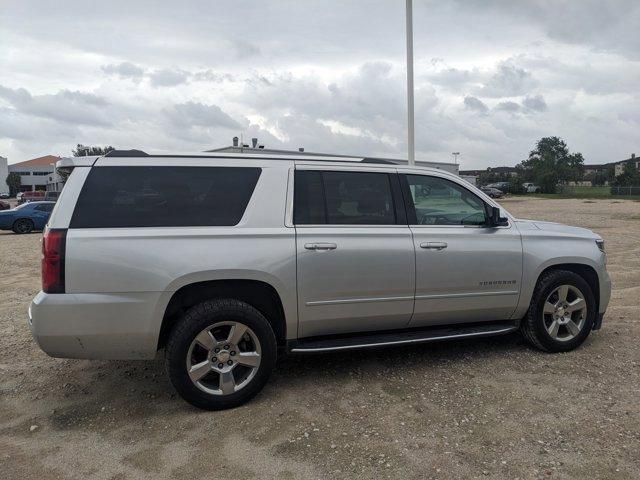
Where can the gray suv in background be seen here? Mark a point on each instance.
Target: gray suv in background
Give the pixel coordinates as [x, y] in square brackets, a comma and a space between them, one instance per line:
[225, 260]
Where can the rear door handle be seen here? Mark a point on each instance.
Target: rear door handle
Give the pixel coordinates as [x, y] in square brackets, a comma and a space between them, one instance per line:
[320, 246]
[434, 245]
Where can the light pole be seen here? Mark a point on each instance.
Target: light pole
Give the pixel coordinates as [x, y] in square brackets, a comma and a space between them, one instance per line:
[410, 131]
[455, 157]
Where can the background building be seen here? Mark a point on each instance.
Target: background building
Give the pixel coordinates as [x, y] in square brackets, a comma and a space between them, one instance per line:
[256, 148]
[4, 171]
[35, 173]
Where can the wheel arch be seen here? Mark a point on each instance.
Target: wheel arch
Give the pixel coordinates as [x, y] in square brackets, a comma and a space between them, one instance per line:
[258, 293]
[587, 272]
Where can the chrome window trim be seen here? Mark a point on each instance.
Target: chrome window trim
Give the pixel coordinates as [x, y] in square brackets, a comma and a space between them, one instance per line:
[483, 197]
[334, 168]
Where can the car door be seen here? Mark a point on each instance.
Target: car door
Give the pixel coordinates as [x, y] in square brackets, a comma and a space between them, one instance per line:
[466, 270]
[355, 258]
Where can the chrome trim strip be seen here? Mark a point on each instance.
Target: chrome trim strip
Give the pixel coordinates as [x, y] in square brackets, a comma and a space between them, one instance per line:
[409, 341]
[470, 294]
[358, 300]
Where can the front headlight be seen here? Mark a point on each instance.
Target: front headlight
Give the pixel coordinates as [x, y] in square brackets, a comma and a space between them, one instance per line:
[600, 244]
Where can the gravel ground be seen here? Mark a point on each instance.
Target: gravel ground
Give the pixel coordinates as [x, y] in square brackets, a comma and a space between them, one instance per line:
[490, 408]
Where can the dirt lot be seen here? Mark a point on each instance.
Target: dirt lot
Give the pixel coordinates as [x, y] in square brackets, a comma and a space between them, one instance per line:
[478, 409]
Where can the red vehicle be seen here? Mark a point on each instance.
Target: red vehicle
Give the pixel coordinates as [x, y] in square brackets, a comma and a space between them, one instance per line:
[4, 205]
[34, 196]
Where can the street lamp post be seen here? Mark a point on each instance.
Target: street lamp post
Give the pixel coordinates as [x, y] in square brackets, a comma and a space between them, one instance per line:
[410, 129]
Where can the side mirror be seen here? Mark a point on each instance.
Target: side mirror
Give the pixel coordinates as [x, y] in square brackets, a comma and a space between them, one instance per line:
[496, 220]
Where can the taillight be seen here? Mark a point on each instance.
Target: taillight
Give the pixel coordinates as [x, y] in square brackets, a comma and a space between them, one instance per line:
[53, 246]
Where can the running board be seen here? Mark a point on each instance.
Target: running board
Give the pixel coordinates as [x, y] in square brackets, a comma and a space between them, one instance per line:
[383, 339]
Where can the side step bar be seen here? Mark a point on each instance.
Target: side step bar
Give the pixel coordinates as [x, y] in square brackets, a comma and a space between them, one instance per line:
[399, 337]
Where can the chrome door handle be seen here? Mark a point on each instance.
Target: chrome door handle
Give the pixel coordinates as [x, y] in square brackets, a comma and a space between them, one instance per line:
[434, 245]
[320, 246]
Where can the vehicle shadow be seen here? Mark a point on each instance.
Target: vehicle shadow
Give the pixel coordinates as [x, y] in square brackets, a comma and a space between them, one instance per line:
[142, 389]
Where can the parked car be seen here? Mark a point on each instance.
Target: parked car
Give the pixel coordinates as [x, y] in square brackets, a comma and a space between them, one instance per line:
[26, 217]
[232, 260]
[5, 195]
[4, 205]
[33, 196]
[492, 192]
[531, 188]
[502, 186]
[51, 196]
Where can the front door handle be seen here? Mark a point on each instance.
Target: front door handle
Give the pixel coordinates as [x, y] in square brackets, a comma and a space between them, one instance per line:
[320, 246]
[434, 245]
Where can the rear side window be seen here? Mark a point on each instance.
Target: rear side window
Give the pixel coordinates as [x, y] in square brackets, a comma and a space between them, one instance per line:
[343, 198]
[115, 197]
[45, 207]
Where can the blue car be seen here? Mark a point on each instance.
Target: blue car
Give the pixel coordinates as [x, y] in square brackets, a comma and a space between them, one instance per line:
[27, 217]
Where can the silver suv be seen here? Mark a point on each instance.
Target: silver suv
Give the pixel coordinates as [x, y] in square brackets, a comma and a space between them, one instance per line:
[225, 260]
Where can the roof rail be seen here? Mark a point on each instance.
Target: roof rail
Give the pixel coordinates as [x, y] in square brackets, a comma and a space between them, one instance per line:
[126, 153]
[377, 160]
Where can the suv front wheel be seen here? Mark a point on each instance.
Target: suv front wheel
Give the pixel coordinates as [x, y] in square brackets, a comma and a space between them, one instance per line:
[561, 313]
[220, 354]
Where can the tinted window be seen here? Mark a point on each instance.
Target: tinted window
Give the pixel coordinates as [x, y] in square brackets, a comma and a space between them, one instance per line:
[343, 198]
[308, 198]
[45, 207]
[439, 201]
[164, 196]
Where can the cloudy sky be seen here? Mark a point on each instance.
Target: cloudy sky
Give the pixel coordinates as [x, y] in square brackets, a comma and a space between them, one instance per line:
[491, 77]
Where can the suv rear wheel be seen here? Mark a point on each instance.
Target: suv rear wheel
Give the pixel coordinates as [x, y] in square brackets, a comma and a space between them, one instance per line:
[220, 354]
[561, 314]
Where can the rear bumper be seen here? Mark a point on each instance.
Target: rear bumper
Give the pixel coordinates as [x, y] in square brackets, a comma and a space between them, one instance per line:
[101, 326]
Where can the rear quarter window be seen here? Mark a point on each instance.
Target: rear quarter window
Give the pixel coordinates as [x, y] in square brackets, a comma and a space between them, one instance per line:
[119, 197]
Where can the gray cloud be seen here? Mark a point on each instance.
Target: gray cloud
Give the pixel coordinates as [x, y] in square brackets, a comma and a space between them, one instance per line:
[168, 77]
[508, 81]
[65, 106]
[508, 106]
[536, 103]
[197, 114]
[123, 70]
[475, 104]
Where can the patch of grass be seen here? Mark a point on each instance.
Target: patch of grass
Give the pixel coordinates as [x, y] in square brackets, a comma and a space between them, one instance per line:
[582, 193]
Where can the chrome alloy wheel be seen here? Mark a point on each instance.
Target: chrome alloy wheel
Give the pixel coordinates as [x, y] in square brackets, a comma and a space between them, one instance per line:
[565, 313]
[223, 358]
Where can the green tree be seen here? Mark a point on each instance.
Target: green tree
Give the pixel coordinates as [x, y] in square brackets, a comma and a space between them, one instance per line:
[630, 176]
[550, 164]
[86, 151]
[13, 182]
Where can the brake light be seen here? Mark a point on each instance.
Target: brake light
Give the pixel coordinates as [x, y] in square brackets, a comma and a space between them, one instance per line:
[53, 249]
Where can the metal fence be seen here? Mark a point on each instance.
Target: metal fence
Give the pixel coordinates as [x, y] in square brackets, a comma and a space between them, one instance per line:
[597, 191]
[625, 190]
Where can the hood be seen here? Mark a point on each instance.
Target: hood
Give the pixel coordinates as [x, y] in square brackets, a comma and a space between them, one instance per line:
[558, 228]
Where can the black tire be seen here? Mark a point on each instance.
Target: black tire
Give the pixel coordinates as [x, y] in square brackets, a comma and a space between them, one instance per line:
[194, 321]
[533, 327]
[23, 225]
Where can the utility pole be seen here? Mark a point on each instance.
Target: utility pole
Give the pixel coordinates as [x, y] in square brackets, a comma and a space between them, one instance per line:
[455, 157]
[410, 129]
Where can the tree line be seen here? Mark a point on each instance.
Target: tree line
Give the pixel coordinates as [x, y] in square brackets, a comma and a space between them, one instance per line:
[550, 165]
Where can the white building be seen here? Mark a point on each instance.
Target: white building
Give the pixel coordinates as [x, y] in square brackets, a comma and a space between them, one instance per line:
[4, 171]
[35, 173]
